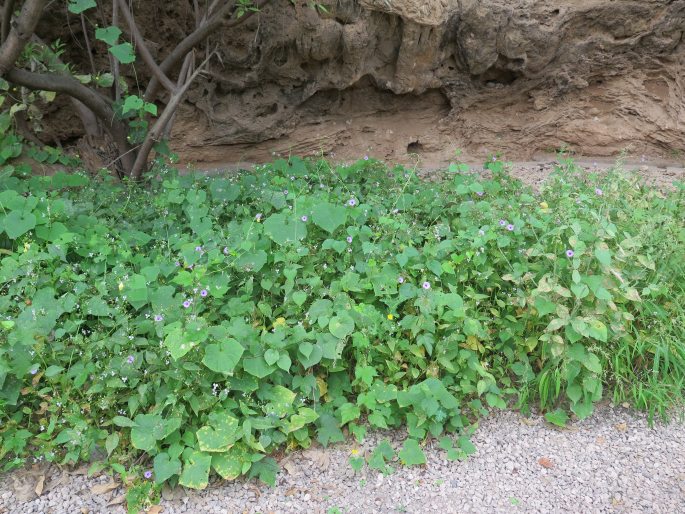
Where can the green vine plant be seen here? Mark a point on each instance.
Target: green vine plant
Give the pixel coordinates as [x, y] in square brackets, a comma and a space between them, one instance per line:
[132, 122]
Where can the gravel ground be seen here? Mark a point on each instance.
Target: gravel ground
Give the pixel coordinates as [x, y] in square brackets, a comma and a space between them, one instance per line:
[612, 462]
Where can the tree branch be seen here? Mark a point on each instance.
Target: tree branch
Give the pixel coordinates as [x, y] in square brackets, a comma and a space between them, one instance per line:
[99, 105]
[7, 11]
[88, 118]
[160, 125]
[19, 35]
[143, 50]
[88, 47]
[63, 84]
[195, 38]
[114, 63]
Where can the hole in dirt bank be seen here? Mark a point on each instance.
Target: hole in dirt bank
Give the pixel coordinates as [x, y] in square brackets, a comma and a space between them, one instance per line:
[494, 77]
[414, 147]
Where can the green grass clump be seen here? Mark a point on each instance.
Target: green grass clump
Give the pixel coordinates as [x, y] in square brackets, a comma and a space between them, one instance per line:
[205, 322]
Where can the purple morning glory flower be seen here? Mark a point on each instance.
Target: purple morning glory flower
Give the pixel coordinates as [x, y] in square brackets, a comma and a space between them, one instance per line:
[480, 193]
[203, 293]
[285, 192]
[198, 248]
[159, 317]
[34, 371]
[400, 280]
[148, 474]
[426, 285]
[366, 157]
[599, 192]
[226, 250]
[177, 263]
[130, 359]
[352, 202]
[186, 304]
[502, 223]
[510, 227]
[304, 218]
[569, 253]
[258, 216]
[349, 239]
[494, 158]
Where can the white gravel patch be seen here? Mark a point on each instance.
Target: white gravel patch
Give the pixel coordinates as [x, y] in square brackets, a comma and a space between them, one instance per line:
[612, 462]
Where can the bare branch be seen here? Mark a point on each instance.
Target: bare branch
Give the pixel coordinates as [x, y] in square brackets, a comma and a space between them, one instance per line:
[186, 72]
[160, 125]
[114, 62]
[20, 34]
[208, 27]
[143, 50]
[88, 47]
[7, 11]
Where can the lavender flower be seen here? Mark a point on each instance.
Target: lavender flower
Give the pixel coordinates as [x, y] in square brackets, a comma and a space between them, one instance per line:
[366, 157]
[226, 250]
[177, 263]
[159, 317]
[510, 227]
[148, 474]
[480, 193]
[570, 253]
[258, 216]
[599, 192]
[198, 248]
[203, 293]
[400, 280]
[285, 192]
[304, 218]
[130, 359]
[186, 304]
[352, 202]
[502, 223]
[426, 285]
[34, 371]
[349, 239]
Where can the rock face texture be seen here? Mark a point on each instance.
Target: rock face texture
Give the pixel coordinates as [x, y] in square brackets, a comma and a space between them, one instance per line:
[393, 77]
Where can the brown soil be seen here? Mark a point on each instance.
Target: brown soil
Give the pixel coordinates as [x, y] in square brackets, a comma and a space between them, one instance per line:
[392, 79]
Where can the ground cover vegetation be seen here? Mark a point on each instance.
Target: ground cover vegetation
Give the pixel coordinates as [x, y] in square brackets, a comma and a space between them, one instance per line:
[198, 324]
[165, 327]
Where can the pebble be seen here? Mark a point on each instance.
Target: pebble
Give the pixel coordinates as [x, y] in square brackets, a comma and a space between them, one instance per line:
[637, 470]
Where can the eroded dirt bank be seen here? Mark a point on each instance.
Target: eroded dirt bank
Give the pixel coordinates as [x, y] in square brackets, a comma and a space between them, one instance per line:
[390, 78]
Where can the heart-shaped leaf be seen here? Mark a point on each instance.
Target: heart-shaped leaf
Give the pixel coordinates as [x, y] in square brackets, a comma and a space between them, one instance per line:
[123, 52]
[341, 326]
[195, 469]
[109, 34]
[271, 356]
[219, 434]
[165, 467]
[223, 357]
[285, 230]
[329, 216]
[19, 223]
[411, 453]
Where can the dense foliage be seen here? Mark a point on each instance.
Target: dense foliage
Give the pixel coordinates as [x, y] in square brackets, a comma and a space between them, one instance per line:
[208, 321]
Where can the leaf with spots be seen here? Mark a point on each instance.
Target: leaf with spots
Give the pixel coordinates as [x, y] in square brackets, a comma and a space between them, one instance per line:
[220, 433]
[195, 473]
